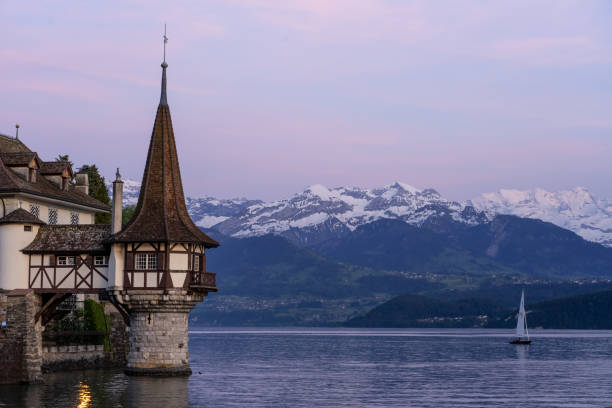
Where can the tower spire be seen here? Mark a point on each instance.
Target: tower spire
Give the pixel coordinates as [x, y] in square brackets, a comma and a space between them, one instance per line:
[161, 214]
[163, 100]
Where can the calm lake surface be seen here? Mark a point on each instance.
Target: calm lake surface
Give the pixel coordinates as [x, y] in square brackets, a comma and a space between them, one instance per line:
[354, 368]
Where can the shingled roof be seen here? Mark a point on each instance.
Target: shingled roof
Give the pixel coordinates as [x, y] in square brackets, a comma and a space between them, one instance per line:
[11, 145]
[12, 183]
[55, 167]
[20, 216]
[161, 214]
[70, 239]
[19, 158]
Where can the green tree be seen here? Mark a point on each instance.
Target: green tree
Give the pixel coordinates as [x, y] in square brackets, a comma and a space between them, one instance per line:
[128, 213]
[95, 320]
[97, 189]
[64, 158]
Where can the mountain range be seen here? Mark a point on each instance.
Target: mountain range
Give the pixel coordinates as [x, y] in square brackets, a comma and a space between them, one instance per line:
[267, 280]
[319, 214]
[580, 311]
[324, 256]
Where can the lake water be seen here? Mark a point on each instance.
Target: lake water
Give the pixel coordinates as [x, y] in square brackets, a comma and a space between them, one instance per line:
[354, 368]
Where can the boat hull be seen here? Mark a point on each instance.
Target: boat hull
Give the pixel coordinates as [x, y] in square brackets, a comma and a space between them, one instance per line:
[520, 341]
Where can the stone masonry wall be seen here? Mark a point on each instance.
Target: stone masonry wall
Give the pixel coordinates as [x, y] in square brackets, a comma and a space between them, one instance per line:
[158, 340]
[75, 357]
[119, 336]
[159, 328]
[3, 306]
[21, 339]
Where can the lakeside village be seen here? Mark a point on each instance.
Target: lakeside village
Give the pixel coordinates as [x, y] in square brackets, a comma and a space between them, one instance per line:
[78, 294]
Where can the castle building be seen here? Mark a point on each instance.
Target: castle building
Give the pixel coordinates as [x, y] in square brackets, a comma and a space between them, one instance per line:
[153, 269]
[39, 203]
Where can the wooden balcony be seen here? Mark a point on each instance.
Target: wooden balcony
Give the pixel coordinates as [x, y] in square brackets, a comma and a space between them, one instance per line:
[203, 281]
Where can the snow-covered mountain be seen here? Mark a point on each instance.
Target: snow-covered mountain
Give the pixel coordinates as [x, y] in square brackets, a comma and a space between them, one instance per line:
[319, 212]
[131, 191]
[577, 209]
[206, 211]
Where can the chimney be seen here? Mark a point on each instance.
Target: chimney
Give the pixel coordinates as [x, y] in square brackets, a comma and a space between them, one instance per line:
[117, 204]
[82, 183]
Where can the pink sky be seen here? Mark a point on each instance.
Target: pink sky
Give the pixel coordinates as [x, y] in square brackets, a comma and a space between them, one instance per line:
[268, 97]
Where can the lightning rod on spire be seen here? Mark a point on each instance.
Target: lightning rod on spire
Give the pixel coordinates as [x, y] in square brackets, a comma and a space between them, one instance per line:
[165, 42]
[163, 99]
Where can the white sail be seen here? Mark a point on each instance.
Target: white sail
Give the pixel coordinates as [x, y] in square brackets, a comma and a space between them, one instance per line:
[520, 321]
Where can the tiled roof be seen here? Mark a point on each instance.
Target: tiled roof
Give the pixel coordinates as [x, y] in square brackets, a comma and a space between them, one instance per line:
[161, 214]
[19, 158]
[20, 216]
[70, 239]
[13, 153]
[55, 167]
[12, 183]
[11, 145]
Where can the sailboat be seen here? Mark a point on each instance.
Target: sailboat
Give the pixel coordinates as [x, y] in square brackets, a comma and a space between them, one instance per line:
[522, 334]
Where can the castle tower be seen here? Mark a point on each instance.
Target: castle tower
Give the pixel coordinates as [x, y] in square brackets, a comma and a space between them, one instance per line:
[157, 270]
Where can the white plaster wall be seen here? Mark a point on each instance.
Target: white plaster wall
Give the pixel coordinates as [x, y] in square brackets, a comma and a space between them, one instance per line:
[151, 279]
[178, 278]
[47, 260]
[98, 281]
[138, 280]
[13, 263]
[63, 212]
[11, 204]
[116, 267]
[178, 262]
[145, 248]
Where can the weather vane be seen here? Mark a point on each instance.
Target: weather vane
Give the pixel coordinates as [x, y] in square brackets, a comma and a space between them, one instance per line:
[165, 42]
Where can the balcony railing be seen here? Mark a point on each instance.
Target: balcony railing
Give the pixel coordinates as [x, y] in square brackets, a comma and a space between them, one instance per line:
[204, 280]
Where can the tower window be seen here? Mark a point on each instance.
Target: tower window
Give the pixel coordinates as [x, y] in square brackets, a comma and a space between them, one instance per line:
[196, 262]
[52, 216]
[74, 218]
[27, 228]
[146, 261]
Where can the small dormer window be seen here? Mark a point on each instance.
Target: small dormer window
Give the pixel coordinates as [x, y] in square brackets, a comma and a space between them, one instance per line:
[52, 216]
[64, 183]
[32, 175]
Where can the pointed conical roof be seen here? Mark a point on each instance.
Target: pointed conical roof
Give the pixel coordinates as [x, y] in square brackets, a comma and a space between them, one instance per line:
[161, 214]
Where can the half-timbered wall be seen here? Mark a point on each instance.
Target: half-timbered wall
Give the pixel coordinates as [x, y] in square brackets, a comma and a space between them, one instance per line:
[174, 265]
[68, 272]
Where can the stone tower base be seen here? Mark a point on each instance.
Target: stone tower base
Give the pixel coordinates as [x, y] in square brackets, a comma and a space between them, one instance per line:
[159, 325]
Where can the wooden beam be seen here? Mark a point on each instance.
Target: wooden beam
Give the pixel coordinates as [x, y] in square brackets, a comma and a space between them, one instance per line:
[46, 311]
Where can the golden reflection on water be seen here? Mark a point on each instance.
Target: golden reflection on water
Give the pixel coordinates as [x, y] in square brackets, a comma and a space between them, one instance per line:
[84, 395]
